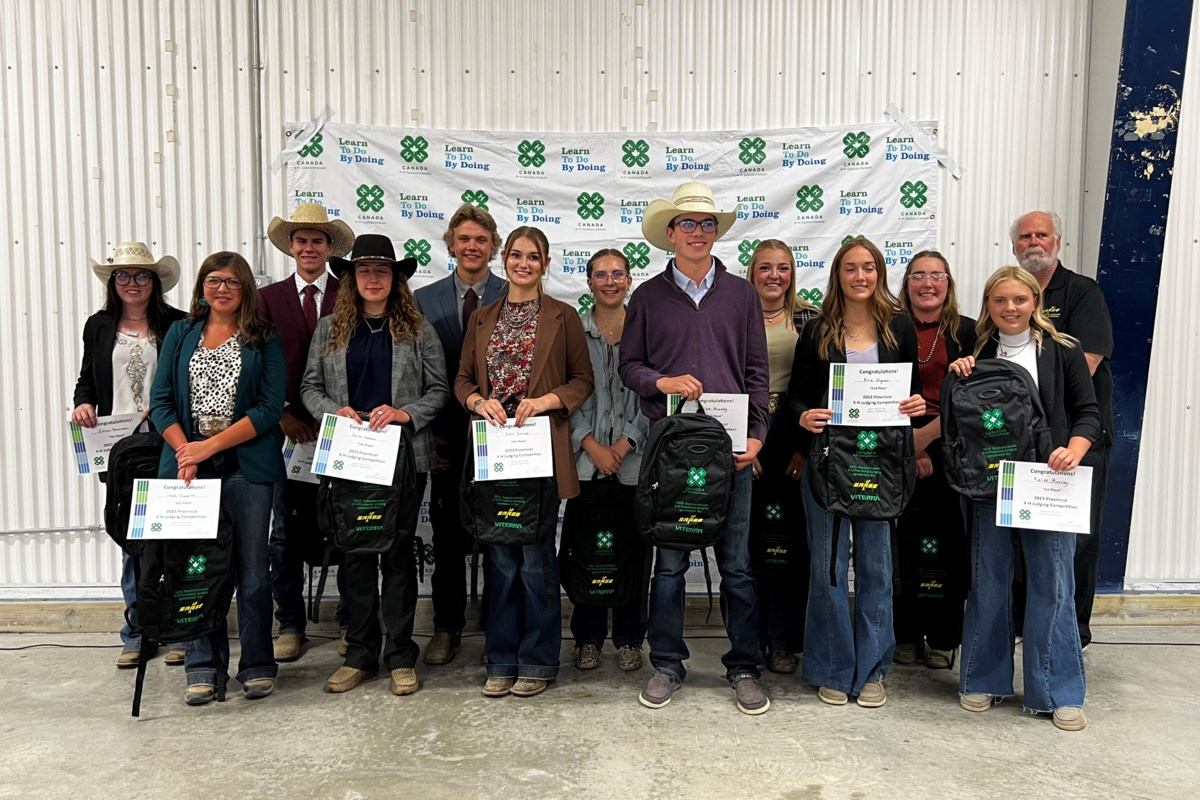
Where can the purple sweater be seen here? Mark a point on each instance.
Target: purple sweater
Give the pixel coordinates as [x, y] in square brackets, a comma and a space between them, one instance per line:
[722, 343]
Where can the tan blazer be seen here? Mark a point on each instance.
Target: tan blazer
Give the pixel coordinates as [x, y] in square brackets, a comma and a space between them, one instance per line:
[560, 365]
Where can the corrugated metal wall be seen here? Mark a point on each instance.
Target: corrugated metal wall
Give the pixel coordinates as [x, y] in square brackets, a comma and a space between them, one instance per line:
[1164, 550]
[136, 120]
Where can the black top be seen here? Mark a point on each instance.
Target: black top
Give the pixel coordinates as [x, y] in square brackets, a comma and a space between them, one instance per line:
[809, 384]
[95, 383]
[1075, 304]
[369, 367]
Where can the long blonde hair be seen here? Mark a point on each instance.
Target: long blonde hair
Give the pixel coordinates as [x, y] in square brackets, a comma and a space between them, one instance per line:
[949, 317]
[1039, 324]
[791, 301]
[832, 328]
[403, 318]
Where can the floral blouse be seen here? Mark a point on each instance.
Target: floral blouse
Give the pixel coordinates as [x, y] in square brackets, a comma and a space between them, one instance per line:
[510, 352]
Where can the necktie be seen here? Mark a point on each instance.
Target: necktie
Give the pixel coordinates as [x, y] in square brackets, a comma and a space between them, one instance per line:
[309, 307]
[470, 303]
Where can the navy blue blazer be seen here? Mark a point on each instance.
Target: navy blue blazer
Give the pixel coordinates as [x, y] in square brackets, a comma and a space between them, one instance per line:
[259, 397]
[438, 302]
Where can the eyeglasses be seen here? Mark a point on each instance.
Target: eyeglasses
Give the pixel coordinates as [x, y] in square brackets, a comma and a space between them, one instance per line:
[213, 282]
[123, 278]
[919, 277]
[617, 276]
[690, 225]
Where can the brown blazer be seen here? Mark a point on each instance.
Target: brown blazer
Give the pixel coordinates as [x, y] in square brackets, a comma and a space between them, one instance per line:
[560, 365]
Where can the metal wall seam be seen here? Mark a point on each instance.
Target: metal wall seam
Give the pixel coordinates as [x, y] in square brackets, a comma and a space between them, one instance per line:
[1164, 551]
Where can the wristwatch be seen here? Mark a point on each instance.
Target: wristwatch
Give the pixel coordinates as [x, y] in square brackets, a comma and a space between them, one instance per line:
[475, 405]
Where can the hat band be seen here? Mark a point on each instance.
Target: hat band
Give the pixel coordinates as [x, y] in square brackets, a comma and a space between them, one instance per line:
[696, 199]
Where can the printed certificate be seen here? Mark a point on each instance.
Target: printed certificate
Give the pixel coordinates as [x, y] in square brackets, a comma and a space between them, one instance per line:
[1035, 496]
[171, 509]
[351, 450]
[91, 445]
[298, 461]
[869, 395]
[508, 452]
[731, 410]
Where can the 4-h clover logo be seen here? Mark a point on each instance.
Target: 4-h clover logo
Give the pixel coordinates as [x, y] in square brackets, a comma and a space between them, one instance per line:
[813, 296]
[497, 467]
[591, 206]
[339, 464]
[418, 249]
[808, 198]
[868, 440]
[913, 194]
[156, 527]
[423, 552]
[993, 420]
[638, 254]
[295, 469]
[604, 540]
[370, 198]
[530, 153]
[753, 150]
[477, 198]
[197, 565]
[586, 301]
[697, 477]
[853, 413]
[312, 148]
[746, 250]
[1025, 514]
[98, 461]
[857, 145]
[637, 153]
[774, 512]
[414, 149]
[929, 547]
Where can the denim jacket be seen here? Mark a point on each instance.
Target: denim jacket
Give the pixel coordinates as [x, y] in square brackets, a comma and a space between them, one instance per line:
[612, 410]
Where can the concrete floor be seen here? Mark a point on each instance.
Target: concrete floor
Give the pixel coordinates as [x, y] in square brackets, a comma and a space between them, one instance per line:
[65, 732]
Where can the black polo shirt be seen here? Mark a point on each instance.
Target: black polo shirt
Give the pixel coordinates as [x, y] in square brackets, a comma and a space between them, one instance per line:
[1076, 306]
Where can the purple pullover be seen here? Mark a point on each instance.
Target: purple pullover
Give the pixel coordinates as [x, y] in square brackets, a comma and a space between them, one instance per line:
[722, 343]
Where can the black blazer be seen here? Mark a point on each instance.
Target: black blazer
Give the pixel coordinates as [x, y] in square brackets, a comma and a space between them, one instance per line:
[95, 383]
[810, 369]
[1065, 384]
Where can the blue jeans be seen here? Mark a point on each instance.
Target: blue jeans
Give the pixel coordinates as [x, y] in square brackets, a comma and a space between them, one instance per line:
[589, 625]
[131, 632]
[837, 654]
[524, 633]
[287, 574]
[249, 508]
[739, 602]
[1052, 661]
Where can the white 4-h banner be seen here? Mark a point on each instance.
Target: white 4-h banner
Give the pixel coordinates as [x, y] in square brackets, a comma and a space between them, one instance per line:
[810, 187]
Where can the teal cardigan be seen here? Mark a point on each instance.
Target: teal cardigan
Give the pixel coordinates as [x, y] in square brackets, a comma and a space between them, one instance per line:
[259, 396]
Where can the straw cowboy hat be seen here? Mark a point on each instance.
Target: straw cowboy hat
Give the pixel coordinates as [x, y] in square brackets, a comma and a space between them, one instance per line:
[137, 254]
[311, 216]
[373, 247]
[690, 198]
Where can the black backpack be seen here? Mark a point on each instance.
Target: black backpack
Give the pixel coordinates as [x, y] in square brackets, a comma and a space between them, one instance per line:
[509, 512]
[685, 486]
[136, 456]
[778, 529]
[993, 414]
[864, 473]
[368, 517]
[603, 560]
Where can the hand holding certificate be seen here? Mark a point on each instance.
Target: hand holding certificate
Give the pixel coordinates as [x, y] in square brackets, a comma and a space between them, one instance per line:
[731, 410]
[169, 509]
[298, 461]
[869, 395]
[1034, 496]
[351, 450]
[506, 452]
[91, 445]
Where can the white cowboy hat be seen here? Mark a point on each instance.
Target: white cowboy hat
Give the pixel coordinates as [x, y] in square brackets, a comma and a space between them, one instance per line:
[313, 216]
[690, 198]
[137, 254]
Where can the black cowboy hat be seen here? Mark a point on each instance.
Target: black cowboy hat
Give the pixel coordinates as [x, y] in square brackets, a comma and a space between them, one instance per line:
[373, 247]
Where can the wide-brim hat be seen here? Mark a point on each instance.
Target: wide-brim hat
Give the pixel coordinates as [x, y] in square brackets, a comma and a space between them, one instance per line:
[690, 198]
[312, 216]
[373, 247]
[137, 254]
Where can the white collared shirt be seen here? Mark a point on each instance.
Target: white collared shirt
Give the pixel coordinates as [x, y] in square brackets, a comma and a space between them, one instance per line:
[320, 283]
[694, 290]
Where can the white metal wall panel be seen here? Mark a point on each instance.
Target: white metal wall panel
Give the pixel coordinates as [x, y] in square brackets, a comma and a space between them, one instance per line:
[1164, 549]
[136, 120]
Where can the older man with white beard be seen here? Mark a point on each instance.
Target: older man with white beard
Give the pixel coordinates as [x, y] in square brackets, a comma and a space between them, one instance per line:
[1076, 306]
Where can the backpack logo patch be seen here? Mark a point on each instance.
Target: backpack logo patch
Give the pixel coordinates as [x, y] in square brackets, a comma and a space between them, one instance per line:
[697, 477]
[197, 566]
[604, 540]
[868, 441]
[774, 512]
[993, 419]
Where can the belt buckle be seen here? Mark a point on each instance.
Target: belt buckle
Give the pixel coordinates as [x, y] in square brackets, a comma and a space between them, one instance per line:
[209, 425]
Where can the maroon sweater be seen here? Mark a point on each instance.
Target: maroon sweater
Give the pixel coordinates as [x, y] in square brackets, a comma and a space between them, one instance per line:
[722, 343]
